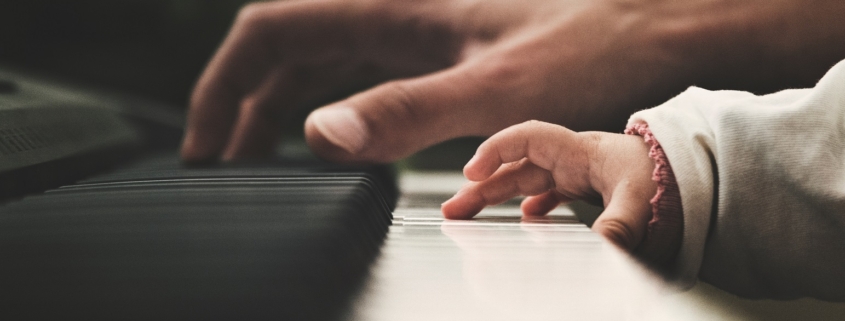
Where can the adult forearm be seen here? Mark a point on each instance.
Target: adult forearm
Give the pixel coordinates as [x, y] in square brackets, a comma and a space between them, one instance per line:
[760, 45]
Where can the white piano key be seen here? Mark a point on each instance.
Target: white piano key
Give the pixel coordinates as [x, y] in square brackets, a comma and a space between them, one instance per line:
[501, 267]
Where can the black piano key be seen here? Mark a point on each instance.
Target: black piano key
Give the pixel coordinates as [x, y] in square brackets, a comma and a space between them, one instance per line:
[168, 242]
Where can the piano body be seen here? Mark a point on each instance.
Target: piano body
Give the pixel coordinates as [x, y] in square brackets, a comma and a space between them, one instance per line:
[99, 220]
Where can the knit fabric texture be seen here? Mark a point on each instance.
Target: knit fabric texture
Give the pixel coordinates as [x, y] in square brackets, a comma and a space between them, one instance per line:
[665, 230]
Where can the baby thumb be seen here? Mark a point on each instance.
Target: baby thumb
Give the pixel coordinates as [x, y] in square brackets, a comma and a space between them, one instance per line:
[624, 221]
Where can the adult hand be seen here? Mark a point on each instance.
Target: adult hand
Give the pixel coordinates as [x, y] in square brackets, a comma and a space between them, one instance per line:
[453, 68]
[450, 68]
[552, 164]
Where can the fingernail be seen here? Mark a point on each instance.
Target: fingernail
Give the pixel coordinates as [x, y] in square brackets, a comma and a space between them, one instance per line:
[341, 126]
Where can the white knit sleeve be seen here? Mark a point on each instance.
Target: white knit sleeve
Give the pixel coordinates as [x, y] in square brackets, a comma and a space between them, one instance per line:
[762, 184]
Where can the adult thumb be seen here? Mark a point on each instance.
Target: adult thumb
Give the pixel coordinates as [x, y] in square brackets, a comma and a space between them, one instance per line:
[398, 118]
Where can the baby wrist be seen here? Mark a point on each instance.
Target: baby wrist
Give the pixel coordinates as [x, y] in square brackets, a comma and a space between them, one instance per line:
[665, 229]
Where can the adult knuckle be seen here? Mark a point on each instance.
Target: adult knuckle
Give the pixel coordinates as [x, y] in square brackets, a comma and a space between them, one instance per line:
[399, 98]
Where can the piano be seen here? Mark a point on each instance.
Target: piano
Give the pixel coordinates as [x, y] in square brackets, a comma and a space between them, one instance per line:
[100, 220]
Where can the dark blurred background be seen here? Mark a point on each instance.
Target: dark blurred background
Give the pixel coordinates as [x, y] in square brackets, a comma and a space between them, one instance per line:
[153, 48]
[150, 48]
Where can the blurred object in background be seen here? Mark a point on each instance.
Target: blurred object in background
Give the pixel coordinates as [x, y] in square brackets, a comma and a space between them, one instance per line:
[153, 48]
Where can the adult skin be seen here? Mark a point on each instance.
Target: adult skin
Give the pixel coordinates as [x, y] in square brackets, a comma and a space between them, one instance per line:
[445, 69]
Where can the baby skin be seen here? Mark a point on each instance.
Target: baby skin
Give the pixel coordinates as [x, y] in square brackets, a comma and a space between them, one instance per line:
[551, 165]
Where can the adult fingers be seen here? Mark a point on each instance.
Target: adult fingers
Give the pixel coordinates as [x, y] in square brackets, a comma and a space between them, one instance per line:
[239, 66]
[625, 219]
[256, 128]
[546, 145]
[400, 117]
[522, 178]
[286, 89]
[266, 35]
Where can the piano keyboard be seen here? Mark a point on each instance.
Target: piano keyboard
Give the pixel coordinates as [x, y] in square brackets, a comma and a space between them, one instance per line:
[157, 241]
[154, 240]
[501, 267]
[497, 266]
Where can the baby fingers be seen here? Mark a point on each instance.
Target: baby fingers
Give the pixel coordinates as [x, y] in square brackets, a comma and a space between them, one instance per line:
[543, 204]
[519, 178]
[550, 147]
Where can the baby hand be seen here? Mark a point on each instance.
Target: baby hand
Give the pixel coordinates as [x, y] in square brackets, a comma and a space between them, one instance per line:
[551, 165]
